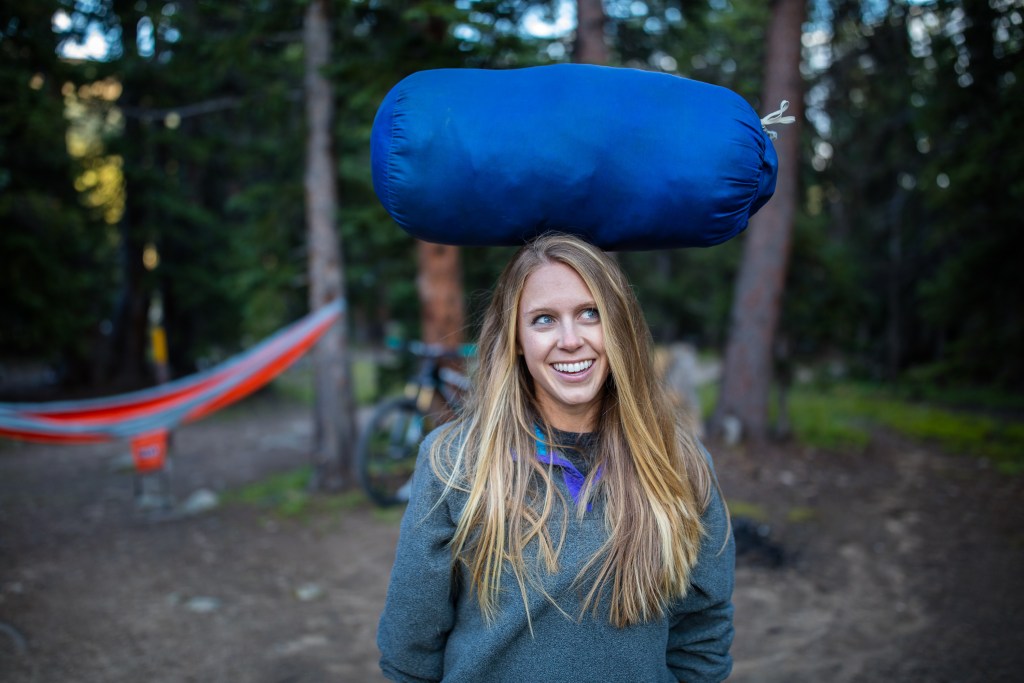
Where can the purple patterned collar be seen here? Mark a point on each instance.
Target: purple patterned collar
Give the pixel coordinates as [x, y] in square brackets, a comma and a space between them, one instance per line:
[570, 474]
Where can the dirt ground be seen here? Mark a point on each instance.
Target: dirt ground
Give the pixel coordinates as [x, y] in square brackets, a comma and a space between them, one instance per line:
[899, 564]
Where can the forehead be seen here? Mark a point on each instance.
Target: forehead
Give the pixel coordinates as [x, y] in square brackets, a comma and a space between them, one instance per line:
[554, 285]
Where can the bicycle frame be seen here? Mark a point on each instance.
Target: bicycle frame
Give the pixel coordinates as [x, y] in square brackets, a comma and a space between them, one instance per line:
[433, 378]
[388, 445]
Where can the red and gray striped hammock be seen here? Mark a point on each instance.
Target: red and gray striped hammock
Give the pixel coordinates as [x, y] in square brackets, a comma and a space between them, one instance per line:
[146, 417]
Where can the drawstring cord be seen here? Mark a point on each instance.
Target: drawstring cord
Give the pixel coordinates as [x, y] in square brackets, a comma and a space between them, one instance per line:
[776, 117]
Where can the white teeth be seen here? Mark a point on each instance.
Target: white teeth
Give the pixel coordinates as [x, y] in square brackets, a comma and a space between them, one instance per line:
[573, 367]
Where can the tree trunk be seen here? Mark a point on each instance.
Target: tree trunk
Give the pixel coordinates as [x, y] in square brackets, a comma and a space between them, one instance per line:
[127, 342]
[333, 410]
[439, 283]
[590, 46]
[747, 372]
[439, 275]
[125, 347]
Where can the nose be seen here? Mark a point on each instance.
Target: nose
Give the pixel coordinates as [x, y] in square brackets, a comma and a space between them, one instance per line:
[569, 339]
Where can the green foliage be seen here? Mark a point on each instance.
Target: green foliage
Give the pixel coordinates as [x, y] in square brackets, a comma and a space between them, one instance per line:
[904, 253]
[979, 398]
[716, 42]
[57, 259]
[917, 165]
[686, 293]
[825, 297]
[971, 299]
[842, 417]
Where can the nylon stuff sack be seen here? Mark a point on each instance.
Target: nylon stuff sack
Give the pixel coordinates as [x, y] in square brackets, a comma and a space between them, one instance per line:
[626, 159]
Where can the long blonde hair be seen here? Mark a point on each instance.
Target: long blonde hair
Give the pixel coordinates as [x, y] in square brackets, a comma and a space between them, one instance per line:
[655, 480]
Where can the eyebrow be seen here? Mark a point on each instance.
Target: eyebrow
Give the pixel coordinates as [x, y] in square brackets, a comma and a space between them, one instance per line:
[548, 309]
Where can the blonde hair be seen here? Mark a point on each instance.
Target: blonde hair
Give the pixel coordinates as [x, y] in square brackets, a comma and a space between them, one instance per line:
[655, 480]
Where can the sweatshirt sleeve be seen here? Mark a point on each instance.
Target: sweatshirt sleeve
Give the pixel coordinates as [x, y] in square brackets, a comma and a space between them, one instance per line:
[420, 608]
[701, 628]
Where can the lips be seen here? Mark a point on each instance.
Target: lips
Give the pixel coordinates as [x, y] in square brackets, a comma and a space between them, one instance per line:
[573, 368]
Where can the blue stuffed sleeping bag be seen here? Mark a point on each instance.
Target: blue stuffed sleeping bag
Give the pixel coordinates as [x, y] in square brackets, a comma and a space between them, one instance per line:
[627, 159]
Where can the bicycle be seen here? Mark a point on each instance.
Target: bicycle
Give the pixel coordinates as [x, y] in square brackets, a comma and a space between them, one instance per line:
[388, 446]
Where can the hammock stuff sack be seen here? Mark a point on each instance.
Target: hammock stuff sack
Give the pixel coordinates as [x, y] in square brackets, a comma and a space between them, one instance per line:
[626, 159]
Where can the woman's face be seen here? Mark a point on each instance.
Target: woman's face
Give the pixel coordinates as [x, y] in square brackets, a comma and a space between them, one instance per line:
[561, 339]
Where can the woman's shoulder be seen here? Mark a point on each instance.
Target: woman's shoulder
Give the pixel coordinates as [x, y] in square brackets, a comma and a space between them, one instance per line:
[435, 482]
[449, 437]
[440, 451]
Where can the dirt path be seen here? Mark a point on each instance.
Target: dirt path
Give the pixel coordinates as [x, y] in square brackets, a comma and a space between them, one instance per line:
[901, 564]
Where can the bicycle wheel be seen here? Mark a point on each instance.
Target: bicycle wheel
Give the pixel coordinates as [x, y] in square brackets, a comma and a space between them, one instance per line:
[387, 451]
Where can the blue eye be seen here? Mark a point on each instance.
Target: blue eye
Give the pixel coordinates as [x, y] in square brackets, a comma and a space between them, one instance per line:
[544, 319]
[590, 314]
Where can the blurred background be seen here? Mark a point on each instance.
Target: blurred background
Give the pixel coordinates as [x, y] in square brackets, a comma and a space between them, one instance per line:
[154, 155]
[163, 167]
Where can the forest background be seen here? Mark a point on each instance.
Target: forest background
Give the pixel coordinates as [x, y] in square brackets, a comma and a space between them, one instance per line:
[153, 167]
[152, 159]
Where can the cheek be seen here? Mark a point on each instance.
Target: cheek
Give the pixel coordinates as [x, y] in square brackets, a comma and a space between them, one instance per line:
[597, 340]
[535, 349]
[528, 347]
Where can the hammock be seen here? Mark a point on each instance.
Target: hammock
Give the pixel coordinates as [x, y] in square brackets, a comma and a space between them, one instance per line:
[146, 417]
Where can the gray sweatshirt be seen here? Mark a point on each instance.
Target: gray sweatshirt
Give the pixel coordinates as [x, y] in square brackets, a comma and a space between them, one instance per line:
[433, 630]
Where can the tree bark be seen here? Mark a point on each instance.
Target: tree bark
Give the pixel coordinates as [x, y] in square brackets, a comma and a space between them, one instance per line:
[124, 351]
[747, 372]
[590, 46]
[439, 274]
[127, 341]
[334, 415]
[439, 283]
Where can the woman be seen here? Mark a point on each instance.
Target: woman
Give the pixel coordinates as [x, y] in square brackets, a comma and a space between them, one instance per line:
[565, 527]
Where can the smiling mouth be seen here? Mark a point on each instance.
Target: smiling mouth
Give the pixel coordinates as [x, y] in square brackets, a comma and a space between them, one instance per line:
[573, 368]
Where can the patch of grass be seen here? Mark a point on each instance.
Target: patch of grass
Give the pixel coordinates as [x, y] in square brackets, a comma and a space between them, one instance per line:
[288, 495]
[835, 424]
[842, 415]
[834, 421]
[742, 508]
[801, 514]
[391, 515]
[364, 382]
[708, 396]
[349, 500]
[959, 431]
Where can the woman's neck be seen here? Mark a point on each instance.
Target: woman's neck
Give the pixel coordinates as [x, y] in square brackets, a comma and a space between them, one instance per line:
[576, 422]
[582, 425]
